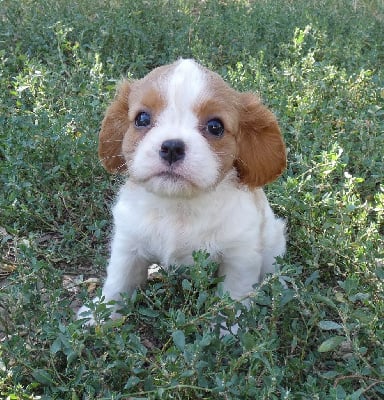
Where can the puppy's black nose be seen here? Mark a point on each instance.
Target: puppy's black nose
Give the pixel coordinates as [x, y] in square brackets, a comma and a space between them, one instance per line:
[172, 150]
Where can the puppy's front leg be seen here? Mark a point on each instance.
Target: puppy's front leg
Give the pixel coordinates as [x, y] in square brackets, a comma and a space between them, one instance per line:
[242, 270]
[125, 272]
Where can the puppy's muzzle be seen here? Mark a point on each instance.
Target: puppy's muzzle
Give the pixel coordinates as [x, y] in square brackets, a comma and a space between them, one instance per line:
[172, 150]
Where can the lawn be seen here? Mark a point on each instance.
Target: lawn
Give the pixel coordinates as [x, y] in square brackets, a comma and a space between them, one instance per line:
[315, 330]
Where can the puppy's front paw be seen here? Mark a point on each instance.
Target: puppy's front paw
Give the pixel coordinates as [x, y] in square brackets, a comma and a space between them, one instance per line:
[85, 313]
[103, 312]
[225, 330]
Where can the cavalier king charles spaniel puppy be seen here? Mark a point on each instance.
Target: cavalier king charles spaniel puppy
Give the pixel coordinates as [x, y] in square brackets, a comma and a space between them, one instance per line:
[196, 153]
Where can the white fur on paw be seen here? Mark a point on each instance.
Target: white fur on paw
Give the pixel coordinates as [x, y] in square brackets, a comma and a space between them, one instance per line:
[224, 330]
[85, 312]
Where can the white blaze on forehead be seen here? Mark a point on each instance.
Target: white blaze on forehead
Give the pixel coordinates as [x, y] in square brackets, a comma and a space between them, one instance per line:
[185, 85]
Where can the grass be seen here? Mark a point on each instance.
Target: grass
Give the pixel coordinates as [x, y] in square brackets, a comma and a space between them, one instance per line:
[318, 65]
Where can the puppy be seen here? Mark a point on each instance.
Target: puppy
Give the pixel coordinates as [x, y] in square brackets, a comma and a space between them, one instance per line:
[196, 153]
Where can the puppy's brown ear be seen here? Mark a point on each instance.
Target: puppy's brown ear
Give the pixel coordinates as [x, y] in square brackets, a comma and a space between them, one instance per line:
[113, 128]
[261, 151]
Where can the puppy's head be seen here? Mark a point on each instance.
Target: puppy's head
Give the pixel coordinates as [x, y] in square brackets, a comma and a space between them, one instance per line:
[181, 128]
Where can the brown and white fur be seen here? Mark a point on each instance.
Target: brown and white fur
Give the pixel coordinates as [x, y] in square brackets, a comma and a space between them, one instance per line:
[196, 153]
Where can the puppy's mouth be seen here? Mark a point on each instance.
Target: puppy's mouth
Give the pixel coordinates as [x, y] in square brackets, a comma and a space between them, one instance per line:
[173, 178]
[170, 183]
[171, 175]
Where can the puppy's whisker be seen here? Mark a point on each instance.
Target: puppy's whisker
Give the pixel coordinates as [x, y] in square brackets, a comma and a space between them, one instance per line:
[223, 153]
[122, 167]
[242, 162]
[110, 157]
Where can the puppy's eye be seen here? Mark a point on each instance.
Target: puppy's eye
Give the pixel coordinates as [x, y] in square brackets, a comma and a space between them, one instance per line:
[215, 127]
[143, 119]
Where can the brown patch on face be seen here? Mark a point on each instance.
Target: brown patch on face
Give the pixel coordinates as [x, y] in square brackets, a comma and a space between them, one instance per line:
[220, 101]
[146, 97]
[252, 141]
[147, 94]
[119, 136]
